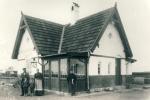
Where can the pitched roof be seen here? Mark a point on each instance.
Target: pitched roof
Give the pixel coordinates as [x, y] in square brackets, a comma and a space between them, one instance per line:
[46, 34]
[81, 37]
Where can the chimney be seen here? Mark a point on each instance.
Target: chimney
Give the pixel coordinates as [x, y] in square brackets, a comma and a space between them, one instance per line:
[74, 13]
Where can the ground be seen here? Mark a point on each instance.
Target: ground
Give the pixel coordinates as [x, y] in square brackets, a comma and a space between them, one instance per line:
[8, 92]
[11, 93]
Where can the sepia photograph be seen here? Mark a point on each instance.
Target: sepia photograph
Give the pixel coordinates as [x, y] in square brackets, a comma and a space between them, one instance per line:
[74, 50]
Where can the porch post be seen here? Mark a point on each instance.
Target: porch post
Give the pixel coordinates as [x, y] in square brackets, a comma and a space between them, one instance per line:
[68, 68]
[59, 74]
[50, 74]
[87, 75]
[68, 71]
[43, 67]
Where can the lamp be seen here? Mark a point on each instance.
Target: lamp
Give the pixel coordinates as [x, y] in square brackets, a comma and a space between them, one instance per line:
[34, 63]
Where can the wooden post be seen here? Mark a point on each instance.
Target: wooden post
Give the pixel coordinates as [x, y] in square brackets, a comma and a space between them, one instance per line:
[43, 82]
[59, 74]
[50, 75]
[68, 70]
[87, 75]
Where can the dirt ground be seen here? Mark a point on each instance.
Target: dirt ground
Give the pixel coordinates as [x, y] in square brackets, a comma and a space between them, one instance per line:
[8, 92]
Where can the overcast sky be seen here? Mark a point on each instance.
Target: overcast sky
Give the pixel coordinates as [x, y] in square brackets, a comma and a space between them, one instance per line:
[135, 15]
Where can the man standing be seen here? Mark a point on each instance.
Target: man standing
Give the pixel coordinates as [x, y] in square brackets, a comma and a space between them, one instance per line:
[24, 79]
[72, 82]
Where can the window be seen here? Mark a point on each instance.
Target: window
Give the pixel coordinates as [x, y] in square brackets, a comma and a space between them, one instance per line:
[27, 39]
[110, 35]
[109, 67]
[54, 68]
[78, 65]
[99, 67]
[72, 8]
[63, 68]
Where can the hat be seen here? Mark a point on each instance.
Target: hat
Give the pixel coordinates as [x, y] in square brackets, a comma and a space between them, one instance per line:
[24, 68]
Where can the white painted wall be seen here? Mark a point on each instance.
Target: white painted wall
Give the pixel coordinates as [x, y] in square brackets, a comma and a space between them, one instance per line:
[26, 53]
[129, 68]
[109, 47]
[26, 49]
[93, 66]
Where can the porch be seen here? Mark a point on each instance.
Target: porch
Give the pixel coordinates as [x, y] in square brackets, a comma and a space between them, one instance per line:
[56, 70]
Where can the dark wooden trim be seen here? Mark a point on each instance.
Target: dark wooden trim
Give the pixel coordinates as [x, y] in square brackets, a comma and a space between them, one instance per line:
[123, 35]
[17, 41]
[43, 67]
[68, 62]
[50, 74]
[96, 55]
[59, 75]
[30, 33]
[118, 76]
[68, 69]
[22, 27]
[102, 31]
[86, 74]
[68, 54]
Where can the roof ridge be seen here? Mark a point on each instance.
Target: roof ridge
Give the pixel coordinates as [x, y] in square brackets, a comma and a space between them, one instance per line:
[84, 18]
[47, 21]
[97, 13]
[61, 39]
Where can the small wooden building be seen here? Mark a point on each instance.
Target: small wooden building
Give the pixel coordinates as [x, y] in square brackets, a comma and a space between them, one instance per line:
[95, 48]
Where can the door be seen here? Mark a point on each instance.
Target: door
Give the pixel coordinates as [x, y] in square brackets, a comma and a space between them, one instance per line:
[118, 77]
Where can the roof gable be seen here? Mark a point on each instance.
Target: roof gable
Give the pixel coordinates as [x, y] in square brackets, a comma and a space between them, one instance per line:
[85, 35]
[81, 37]
[44, 34]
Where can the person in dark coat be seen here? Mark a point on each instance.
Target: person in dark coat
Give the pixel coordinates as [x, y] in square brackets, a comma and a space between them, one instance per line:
[24, 82]
[71, 78]
[38, 83]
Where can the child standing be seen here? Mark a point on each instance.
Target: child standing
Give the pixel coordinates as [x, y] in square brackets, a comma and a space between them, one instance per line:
[32, 86]
[25, 86]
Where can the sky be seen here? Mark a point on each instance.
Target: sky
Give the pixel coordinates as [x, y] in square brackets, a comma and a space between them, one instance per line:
[135, 16]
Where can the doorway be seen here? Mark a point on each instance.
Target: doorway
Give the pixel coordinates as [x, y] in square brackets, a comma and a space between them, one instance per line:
[118, 77]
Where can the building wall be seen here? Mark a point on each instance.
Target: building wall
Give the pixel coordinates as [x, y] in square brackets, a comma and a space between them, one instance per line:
[26, 52]
[104, 63]
[103, 68]
[109, 45]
